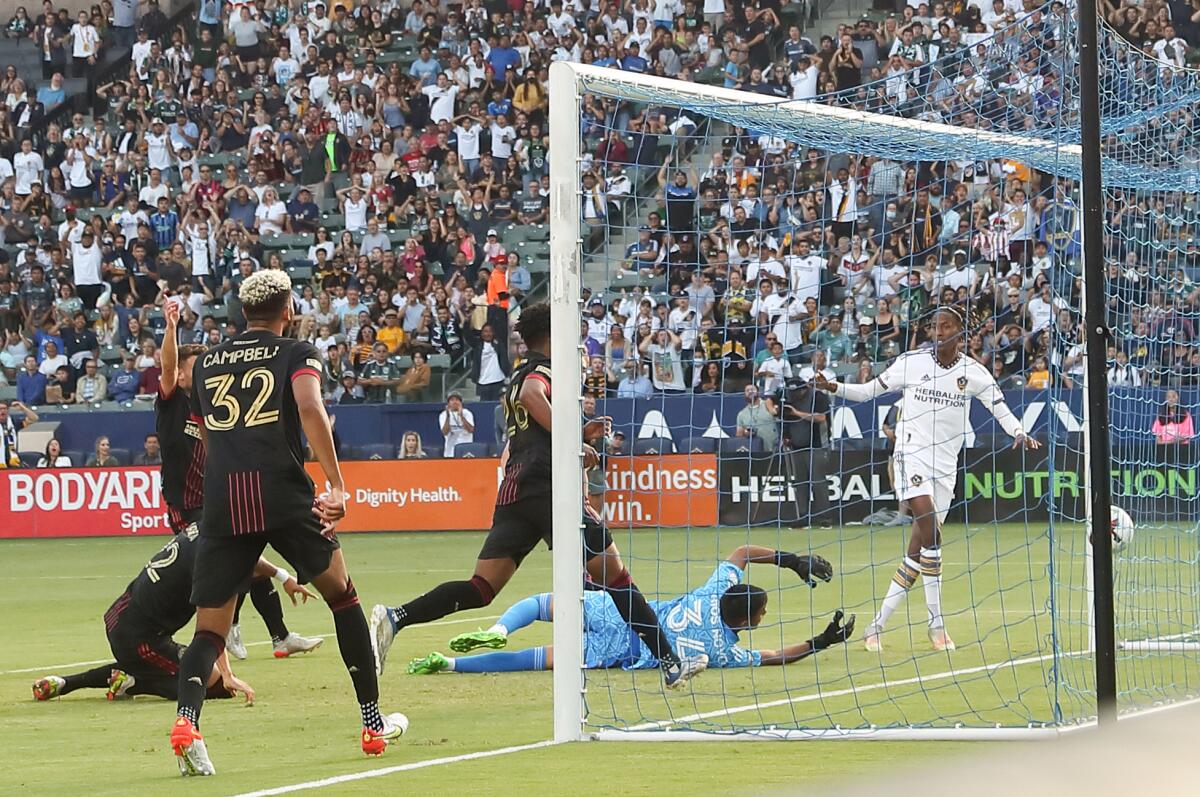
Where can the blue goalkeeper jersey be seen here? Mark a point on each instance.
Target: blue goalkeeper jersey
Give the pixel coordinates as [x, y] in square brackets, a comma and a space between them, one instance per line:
[691, 622]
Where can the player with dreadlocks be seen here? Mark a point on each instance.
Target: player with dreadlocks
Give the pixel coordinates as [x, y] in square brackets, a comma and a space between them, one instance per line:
[937, 383]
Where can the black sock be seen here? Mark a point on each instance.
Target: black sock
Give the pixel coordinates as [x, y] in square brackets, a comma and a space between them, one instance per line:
[354, 642]
[237, 611]
[195, 667]
[158, 685]
[89, 679]
[634, 609]
[444, 599]
[266, 600]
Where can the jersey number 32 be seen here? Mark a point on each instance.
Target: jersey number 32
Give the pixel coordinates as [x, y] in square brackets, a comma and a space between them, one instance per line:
[222, 399]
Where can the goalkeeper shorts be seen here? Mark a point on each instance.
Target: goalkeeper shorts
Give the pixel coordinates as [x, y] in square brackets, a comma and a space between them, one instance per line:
[916, 476]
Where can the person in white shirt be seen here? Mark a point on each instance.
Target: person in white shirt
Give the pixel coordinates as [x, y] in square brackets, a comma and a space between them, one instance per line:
[684, 321]
[27, 168]
[271, 214]
[441, 99]
[773, 372]
[457, 423]
[85, 44]
[785, 315]
[153, 191]
[803, 79]
[158, 146]
[503, 136]
[1170, 49]
[354, 206]
[805, 270]
[468, 132]
[559, 21]
[819, 365]
[937, 385]
[78, 166]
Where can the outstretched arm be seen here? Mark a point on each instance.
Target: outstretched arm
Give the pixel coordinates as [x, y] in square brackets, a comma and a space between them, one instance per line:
[993, 399]
[834, 634]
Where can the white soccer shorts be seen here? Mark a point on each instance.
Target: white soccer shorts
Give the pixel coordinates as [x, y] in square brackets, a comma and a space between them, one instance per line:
[916, 475]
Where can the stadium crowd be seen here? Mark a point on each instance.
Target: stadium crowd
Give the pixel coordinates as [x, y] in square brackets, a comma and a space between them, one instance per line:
[393, 158]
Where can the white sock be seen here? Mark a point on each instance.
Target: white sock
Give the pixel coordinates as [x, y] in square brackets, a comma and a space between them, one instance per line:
[498, 629]
[902, 581]
[931, 572]
[452, 662]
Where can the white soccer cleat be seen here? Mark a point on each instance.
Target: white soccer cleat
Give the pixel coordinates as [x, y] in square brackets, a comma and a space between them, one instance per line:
[940, 640]
[687, 669]
[871, 640]
[294, 643]
[233, 643]
[382, 635]
[190, 752]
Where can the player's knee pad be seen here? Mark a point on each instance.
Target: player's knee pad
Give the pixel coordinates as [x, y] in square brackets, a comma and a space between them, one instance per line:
[212, 638]
[621, 580]
[347, 600]
[906, 574]
[487, 592]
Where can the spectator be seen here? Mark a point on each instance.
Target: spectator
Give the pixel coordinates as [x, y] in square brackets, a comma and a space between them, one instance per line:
[53, 456]
[416, 379]
[101, 456]
[1173, 425]
[124, 384]
[410, 447]
[92, 386]
[456, 422]
[348, 390]
[151, 453]
[31, 383]
[379, 376]
[490, 367]
[8, 433]
[758, 419]
[663, 350]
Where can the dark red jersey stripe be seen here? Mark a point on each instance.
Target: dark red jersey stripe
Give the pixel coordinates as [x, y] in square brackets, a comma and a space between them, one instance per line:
[156, 659]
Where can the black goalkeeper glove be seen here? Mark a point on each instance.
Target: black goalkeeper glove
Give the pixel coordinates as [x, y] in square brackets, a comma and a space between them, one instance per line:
[834, 634]
[809, 568]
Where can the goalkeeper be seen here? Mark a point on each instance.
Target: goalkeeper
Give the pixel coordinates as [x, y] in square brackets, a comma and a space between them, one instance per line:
[705, 620]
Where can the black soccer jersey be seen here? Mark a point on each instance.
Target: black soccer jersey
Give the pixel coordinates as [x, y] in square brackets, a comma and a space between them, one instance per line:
[529, 469]
[254, 477]
[182, 451]
[159, 598]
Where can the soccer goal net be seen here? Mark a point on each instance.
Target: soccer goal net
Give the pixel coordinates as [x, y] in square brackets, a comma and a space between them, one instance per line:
[717, 244]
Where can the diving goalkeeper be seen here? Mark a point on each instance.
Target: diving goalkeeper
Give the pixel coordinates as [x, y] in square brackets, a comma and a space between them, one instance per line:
[705, 620]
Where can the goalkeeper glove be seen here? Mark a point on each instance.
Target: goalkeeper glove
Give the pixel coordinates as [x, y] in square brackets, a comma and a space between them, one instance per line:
[809, 568]
[834, 634]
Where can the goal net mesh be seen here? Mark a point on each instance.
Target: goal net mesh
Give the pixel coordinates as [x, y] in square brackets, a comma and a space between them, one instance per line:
[955, 181]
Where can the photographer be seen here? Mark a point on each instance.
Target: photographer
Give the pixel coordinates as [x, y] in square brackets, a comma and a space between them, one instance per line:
[805, 414]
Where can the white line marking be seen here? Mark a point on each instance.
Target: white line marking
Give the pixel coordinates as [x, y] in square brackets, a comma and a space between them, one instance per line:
[724, 712]
[378, 773]
[56, 667]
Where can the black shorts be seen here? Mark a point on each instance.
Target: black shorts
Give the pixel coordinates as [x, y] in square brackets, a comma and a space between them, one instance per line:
[224, 565]
[142, 653]
[518, 527]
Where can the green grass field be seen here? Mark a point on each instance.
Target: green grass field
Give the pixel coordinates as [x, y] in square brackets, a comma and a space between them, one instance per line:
[304, 724]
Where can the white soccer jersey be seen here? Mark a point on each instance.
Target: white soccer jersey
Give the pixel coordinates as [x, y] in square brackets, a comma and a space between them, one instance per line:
[937, 404]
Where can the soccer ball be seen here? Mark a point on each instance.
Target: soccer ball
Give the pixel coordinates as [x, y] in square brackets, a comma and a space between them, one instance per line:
[1122, 528]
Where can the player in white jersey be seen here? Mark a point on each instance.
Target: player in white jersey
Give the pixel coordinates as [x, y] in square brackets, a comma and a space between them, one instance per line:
[937, 384]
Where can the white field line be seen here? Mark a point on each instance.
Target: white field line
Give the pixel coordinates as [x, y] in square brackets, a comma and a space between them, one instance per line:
[377, 773]
[56, 667]
[940, 676]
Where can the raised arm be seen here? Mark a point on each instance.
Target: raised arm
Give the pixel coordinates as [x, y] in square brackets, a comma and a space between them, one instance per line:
[170, 350]
[876, 387]
[809, 568]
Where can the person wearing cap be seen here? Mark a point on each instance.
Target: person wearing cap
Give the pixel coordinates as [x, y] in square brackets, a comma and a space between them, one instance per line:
[391, 333]
[497, 285]
[456, 422]
[348, 391]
